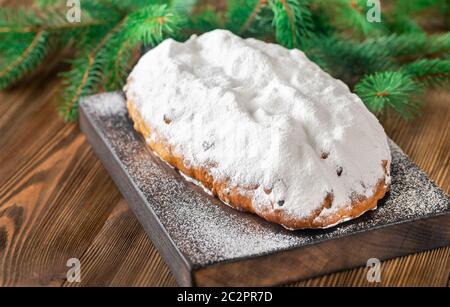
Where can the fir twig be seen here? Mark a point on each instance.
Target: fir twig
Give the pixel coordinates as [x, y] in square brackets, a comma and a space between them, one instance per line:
[49, 20]
[432, 72]
[292, 21]
[26, 61]
[148, 26]
[350, 17]
[84, 76]
[390, 90]
[388, 68]
[346, 59]
[413, 6]
[253, 15]
[183, 7]
[206, 19]
[243, 14]
[411, 45]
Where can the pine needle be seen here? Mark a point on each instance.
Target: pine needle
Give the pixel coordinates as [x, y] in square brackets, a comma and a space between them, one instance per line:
[411, 44]
[253, 15]
[148, 26]
[85, 75]
[243, 14]
[347, 59]
[292, 22]
[49, 20]
[350, 18]
[183, 7]
[390, 90]
[26, 61]
[431, 72]
[204, 20]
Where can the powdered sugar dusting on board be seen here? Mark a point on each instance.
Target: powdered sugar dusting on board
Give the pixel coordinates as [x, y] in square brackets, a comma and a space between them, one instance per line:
[207, 231]
[258, 114]
[107, 104]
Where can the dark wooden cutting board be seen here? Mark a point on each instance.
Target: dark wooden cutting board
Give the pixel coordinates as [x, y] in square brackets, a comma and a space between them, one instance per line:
[207, 243]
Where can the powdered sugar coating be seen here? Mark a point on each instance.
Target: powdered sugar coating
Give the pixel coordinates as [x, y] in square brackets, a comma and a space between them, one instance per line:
[258, 114]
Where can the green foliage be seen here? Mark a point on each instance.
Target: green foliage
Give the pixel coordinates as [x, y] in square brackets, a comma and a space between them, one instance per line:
[205, 20]
[52, 19]
[387, 64]
[403, 19]
[183, 7]
[21, 54]
[108, 57]
[412, 45]
[292, 21]
[390, 90]
[347, 59]
[249, 16]
[150, 25]
[413, 6]
[15, 20]
[350, 17]
[361, 64]
[432, 72]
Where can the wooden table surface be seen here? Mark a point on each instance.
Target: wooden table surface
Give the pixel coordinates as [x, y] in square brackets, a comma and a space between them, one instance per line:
[58, 202]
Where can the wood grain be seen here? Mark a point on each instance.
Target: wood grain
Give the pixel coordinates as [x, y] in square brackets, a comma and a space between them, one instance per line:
[58, 202]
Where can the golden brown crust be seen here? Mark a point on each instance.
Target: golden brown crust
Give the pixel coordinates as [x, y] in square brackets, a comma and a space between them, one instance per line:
[241, 197]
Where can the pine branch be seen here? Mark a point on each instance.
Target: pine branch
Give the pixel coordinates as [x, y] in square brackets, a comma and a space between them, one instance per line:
[152, 24]
[183, 7]
[206, 19]
[120, 66]
[322, 22]
[402, 18]
[26, 59]
[431, 72]
[126, 43]
[253, 16]
[112, 33]
[13, 20]
[132, 5]
[242, 14]
[389, 90]
[350, 17]
[292, 21]
[111, 56]
[18, 20]
[47, 3]
[413, 6]
[20, 23]
[403, 24]
[147, 27]
[85, 76]
[411, 45]
[347, 59]
[350, 60]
